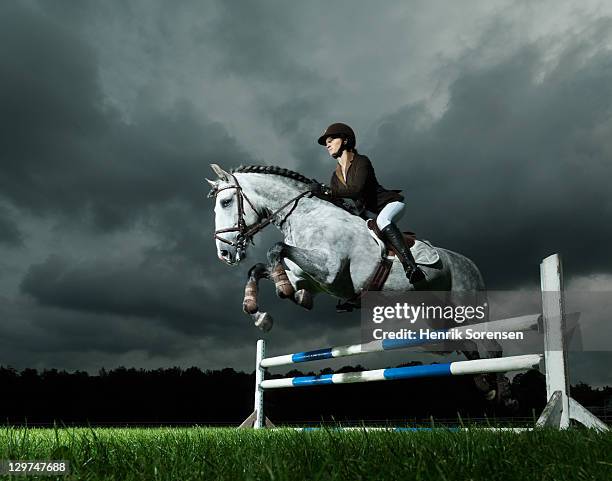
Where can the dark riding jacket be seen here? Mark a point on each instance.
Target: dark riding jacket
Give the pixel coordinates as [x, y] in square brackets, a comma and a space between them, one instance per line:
[362, 186]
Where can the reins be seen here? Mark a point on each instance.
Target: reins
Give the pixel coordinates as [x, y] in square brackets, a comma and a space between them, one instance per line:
[246, 233]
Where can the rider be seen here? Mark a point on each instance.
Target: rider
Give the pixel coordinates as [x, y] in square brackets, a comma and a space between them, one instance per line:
[354, 178]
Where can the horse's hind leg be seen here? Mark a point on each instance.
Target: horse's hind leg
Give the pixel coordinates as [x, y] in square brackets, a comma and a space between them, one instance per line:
[502, 383]
[485, 383]
[494, 386]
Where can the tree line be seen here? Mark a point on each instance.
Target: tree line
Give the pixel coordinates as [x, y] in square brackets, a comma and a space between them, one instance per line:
[192, 396]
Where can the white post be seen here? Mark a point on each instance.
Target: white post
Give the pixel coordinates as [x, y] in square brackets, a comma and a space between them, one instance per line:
[259, 376]
[553, 311]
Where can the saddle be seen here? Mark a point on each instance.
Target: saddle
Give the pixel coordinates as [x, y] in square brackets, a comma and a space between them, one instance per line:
[423, 252]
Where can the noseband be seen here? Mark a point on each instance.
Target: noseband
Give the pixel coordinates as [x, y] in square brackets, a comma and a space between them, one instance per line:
[246, 233]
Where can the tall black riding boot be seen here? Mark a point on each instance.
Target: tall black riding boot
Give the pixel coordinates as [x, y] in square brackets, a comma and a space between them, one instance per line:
[393, 235]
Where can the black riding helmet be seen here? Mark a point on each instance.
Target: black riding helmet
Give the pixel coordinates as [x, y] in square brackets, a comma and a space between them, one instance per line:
[339, 130]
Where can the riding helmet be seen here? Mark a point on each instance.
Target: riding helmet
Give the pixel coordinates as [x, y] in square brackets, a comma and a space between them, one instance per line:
[338, 130]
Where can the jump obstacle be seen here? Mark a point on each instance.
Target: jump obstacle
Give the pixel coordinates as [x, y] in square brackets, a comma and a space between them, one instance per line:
[559, 410]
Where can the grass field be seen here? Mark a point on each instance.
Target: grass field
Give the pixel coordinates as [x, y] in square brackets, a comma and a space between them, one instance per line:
[284, 454]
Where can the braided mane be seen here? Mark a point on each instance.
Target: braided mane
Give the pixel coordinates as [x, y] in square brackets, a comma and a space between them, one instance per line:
[272, 169]
[290, 174]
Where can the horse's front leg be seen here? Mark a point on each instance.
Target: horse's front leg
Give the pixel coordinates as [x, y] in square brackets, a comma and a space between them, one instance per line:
[258, 271]
[312, 264]
[306, 267]
[263, 320]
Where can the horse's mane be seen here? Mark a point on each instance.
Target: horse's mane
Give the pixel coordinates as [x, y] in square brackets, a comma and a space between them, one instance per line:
[290, 174]
[272, 169]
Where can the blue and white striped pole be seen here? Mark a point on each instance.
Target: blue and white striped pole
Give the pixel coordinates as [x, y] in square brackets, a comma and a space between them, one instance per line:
[503, 364]
[514, 324]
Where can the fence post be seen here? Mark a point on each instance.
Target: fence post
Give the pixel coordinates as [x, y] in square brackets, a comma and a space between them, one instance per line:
[553, 311]
[259, 393]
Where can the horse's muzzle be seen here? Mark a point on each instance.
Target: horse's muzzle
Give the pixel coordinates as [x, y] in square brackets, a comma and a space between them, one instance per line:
[226, 256]
[231, 257]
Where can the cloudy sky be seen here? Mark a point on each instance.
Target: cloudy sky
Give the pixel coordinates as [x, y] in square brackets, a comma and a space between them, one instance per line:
[493, 116]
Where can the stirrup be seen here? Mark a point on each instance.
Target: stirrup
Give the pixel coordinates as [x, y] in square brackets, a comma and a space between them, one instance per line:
[414, 274]
[347, 306]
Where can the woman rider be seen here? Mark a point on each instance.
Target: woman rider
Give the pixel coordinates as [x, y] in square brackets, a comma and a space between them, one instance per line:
[354, 178]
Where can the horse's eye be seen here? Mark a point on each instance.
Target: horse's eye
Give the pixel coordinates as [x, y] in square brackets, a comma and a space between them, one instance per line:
[226, 202]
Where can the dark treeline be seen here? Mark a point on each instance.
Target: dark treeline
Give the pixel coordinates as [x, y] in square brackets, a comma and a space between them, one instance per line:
[192, 396]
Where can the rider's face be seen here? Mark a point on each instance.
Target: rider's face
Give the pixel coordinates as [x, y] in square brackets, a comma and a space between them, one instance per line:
[333, 145]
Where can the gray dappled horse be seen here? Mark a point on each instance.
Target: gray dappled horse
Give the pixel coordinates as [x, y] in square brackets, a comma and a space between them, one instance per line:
[325, 248]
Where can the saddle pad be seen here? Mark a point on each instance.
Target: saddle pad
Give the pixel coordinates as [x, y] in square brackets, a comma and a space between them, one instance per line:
[423, 252]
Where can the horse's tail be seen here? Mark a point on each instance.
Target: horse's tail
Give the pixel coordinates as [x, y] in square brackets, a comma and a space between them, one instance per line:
[464, 274]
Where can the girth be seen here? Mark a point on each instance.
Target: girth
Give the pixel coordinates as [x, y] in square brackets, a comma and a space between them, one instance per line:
[379, 276]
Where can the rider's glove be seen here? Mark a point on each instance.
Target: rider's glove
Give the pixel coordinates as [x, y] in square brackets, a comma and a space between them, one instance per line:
[316, 188]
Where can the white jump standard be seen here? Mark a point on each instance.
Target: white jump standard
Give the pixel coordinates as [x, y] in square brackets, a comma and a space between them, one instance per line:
[557, 413]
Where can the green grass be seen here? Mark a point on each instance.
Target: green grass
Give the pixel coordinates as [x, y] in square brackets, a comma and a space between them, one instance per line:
[284, 454]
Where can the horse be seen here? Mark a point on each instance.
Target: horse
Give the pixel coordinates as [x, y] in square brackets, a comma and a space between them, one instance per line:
[326, 249]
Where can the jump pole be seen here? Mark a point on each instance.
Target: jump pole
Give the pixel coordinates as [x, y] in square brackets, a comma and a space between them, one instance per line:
[458, 368]
[514, 324]
[557, 413]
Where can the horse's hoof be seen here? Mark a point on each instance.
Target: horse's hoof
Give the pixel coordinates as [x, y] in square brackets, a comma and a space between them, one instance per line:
[504, 390]
[304, 298]
[512, 405]
[491, 395]
[264, 321]
[484, 385]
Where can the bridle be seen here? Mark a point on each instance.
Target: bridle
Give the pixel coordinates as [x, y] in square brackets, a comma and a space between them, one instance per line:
[246, 233]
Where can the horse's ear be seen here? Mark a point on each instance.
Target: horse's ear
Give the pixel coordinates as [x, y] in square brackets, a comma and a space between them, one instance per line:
[215, 186]
[220, 172]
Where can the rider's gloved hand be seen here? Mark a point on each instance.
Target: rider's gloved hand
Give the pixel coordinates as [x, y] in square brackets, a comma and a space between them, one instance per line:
[316, 188]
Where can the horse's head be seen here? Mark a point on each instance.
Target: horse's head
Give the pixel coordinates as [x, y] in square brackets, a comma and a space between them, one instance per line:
[233, 214]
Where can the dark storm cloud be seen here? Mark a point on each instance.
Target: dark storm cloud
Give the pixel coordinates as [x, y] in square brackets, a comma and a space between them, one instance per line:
[259, 47]
[157, 290]
[268, 52]
[41, 336]
[151, 292]
[517, 167]
[110, 114]
[66, 151]
[67, 155]
[9, 230]
[49, 97]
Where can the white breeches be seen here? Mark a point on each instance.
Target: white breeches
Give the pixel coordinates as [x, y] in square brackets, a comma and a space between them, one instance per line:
[392, 212]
